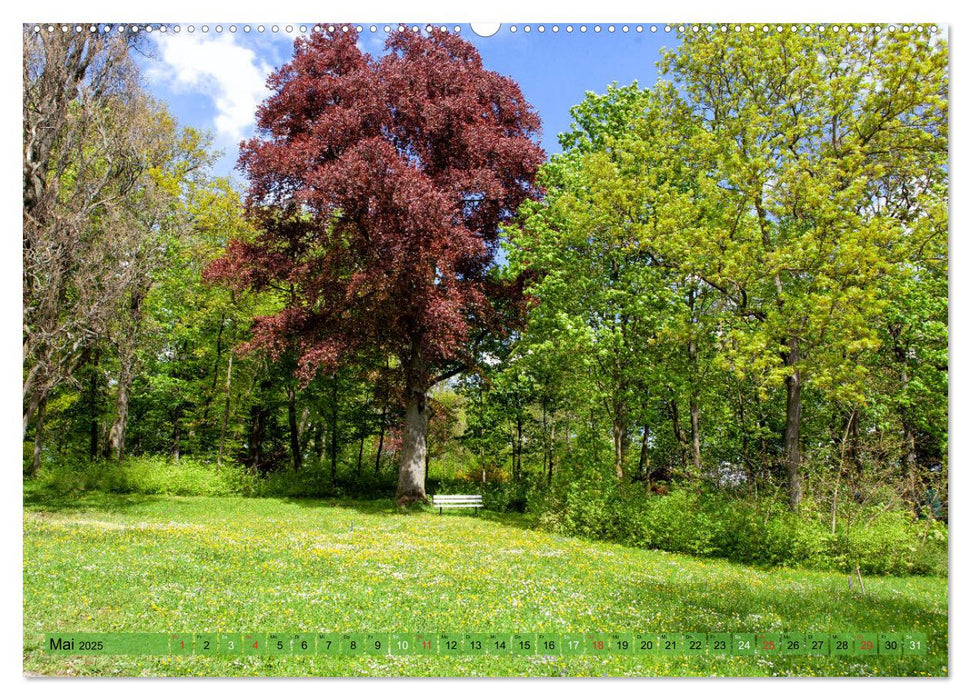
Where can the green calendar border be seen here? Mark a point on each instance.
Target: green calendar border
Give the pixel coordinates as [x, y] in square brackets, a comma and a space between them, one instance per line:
[488, 644]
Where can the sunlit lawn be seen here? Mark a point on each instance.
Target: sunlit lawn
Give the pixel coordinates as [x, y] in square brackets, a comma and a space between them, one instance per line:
[115, 563]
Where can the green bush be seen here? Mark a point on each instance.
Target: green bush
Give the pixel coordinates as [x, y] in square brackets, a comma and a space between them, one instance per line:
[893, 542]
[701, 522]
[147, 475]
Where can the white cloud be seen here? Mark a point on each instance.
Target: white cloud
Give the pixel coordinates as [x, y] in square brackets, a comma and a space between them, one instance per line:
[229, 74]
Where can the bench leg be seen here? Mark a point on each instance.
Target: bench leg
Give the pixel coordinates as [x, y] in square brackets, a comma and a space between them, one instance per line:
[439, 511]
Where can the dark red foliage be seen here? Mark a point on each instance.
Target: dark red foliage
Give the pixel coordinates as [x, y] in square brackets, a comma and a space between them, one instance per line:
[379, 187]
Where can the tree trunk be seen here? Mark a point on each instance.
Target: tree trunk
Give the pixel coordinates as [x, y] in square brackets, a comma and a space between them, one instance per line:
[94, 429]
[303, 426]
[909, 459]
[547, 446]
[39, 417]
[360, 454]
[853, 452]
[760, 423]
[225, 422]
[116, 437]
[257, 432]
[791, 437]
[177, 435]
[750, 474]
[211, 395]
[519, 446]
[693, 409]
[411, 473]
[333, 431]
[644, 462]
[126, 356]
[318, 446]
[296, 452]
[37, 396]
[695, 433]
[853, 441]
[909, 451]
[569, 429]
[377, 458]
[620, 446]
[549, 468]
[678, 435]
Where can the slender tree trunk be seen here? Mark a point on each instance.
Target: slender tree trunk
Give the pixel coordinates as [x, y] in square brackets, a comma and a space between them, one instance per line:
[547, 446]
[318, 440]
[693, 409]
[512, 452]
[211, 395]
[303, 429]
[519, 446]
[909, 451]
[248, 424]
[569, 429]
[256, 434]
[377, 457]
[909, 458]
[39, 417]
[385, 396]
[695, 433]
[333, 431]
[28, 394]
[644, 461]
[115, 445]
[678, 434]
[543, 425]
[750, 474]
[360, 454]
[94, 433]
[94, 429]
[296, 452]
[116, 436]
[37, 396]
[225, 422]
[549, 468]
[760, 422]
[177, 435]
[411, 474]
[364, 432]
[791, 438]
[853, 442]
[620, 439]
[103, 439]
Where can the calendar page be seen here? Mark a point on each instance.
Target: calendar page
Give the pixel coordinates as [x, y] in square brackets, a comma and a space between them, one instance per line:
[448, 349]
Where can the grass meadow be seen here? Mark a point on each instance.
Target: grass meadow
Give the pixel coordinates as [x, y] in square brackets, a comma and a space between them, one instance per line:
[125, 563]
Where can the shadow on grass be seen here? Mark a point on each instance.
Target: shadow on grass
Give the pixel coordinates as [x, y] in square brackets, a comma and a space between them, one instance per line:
[38, 499]
[386, 506]
[43, 500]
[885, 608]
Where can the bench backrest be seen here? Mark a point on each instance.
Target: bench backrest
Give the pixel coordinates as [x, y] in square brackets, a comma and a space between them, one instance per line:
[456, 499]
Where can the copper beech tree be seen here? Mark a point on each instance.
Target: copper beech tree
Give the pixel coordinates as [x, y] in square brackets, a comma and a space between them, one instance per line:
[378, 186]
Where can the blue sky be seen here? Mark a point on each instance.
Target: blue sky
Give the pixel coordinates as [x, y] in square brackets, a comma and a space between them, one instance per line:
[214, 80]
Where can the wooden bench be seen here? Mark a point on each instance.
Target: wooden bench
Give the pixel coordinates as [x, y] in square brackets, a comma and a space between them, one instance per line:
[457, 501]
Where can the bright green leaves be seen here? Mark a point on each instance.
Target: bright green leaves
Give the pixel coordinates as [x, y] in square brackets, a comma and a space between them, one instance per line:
[776, 195]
